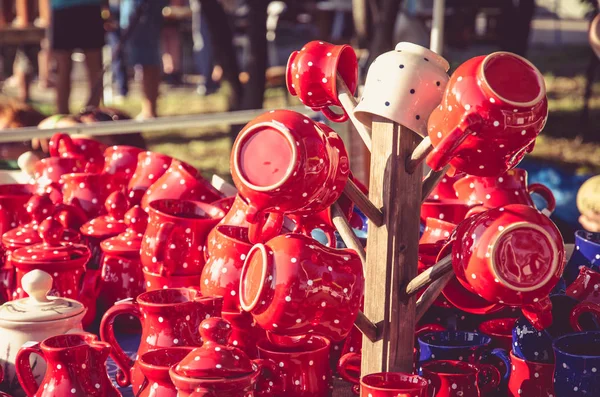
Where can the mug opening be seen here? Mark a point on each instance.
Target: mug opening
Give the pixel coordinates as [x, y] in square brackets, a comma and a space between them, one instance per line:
[455, 339]
[166, 357]
[580, 345]
[513, 79]
[253, 159]
[68, 341]
[541, 250]
[386, 381]
[448, 367]
[346, 66]
[312, 345]
[186, 209]
[252, 279]
[168, 296]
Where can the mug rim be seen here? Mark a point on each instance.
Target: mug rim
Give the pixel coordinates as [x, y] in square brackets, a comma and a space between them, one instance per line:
[557, 341]
[583, 234]
[282, 129]
[485, 337]
[417, 386]
[539, 76]
[249, 306]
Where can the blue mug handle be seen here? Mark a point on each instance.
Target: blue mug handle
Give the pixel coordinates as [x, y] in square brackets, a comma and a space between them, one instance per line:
[503, 356]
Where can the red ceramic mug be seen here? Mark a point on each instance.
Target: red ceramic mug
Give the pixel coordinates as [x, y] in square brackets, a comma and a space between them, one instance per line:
[512, 255]
[89, 150]
[174, 240]
[509, 188]
[307, 176]
[150, 166]
[436, 230]
[500, 330]
[121, 161]
[493, 109]
[453, 211]
[155, 367]
[293, 286]
[182, 182]
[89, 191]
[530, 379]
[311, 75]
[581, 309]
[393, 384]
[449, 378]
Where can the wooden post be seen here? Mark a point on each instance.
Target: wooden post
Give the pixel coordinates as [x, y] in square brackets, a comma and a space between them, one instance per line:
[392, 248]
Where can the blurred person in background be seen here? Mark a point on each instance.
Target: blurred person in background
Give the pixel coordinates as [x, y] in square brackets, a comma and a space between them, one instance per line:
[203, 51]
[171, 45]
[76, 24]
[143, 48]
[118, 65]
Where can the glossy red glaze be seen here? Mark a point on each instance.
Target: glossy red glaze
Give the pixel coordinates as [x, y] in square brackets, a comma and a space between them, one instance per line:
[181, 182]
[150, 167]
[493, 109]
[89, 191]
[436, 230]
[225, 370]
[511, 255]
[393, 384]
[500, 329]
[105, 226]
[64, 261]
[313, 180]
[305, 369]
[453, 211]
[122, 275]
[235, 209]
[121, 161]
[311, 75]
[169, 317]
[445, 189]
[509, 188]
[86, 149]
[581, 309]
[50, 170]
[245, 333]
[13, 199]
[530, 379]
[227, 251]
[175, 238]
[155, 367]
[76, 365]
[459, 379]
[293, 285]
[586, 287]
[153, 281]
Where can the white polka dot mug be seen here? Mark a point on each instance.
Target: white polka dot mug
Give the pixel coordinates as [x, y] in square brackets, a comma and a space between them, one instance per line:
[311, 75]
[512, 255]
[493, 109]
[283, 162]
[404, 86]
[448, 378]
[294, 286]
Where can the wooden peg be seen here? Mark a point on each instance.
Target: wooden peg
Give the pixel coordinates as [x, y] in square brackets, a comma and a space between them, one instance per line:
[430, 295]
[418, 155]
[367, 327]
[345, 230]
[431, 181]
[349, 103]
[428, 276]
[363, 203]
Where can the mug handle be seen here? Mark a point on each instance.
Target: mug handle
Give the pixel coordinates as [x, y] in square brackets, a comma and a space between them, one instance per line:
[24, 371]
[539, 314]
[581, 309]
[266, 227]
[546, 194]
[160, 248]
[331, 115]
[107, 334]
[271, 381]
[445, 150]
[55, 141]
[350, 362]
[488, 378]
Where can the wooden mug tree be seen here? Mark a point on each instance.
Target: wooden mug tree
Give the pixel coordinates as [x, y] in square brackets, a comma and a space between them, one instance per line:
[396, 192]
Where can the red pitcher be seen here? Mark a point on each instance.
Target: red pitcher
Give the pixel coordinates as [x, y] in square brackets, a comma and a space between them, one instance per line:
[150, 167]
[89, 150]
[176, 235]
[76, 366]
[170, 317]
[88, 191]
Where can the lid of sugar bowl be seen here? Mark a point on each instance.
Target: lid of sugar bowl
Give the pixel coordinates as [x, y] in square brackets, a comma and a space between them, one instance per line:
[39, 307]
[215, 359]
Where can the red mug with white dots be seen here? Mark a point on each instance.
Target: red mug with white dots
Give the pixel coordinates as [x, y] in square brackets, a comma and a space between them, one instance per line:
[393, 384]
[294, 286]
[311, 76]
[449, 378]
[493, 109]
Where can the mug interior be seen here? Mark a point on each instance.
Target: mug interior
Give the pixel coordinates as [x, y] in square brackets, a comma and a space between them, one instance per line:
[255, 161]
[589, 237]
[450, 368]
[455, 339]
[313, 344]
[168, 296]
[165, 358]
[513, 78]
[585, 344]
[252, 279]
[67, 341]
[501, 327]
[347, 67]
[185, 209]
[240, 234]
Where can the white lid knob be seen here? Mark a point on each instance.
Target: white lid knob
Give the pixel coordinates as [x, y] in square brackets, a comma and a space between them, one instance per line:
[27, 161]
[37, 284]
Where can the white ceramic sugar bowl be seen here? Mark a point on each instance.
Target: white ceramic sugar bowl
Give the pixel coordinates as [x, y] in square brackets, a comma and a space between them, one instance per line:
[404, 85]
[33, 319]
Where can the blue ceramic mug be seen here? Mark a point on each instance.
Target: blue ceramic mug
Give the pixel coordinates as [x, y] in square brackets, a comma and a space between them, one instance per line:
[577, 369]
[586, 253]
[471, 347]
